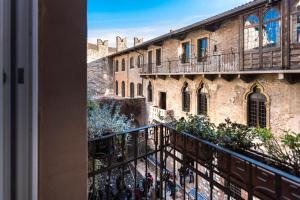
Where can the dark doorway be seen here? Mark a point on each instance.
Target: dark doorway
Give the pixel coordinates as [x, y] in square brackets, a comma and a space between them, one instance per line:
[163, 100]
[150, 62]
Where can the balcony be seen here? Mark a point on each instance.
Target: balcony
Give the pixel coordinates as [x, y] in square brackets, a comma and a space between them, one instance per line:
[229, 63]
[156, 162]
[160, 115]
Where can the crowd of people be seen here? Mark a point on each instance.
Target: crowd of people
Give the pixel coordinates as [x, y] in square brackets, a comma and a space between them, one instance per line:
[144, 188]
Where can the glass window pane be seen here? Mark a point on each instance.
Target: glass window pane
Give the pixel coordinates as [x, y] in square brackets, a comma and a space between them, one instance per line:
[271, 14]
[271, 34]
[251, 33]
[252, 20]
[298, 26]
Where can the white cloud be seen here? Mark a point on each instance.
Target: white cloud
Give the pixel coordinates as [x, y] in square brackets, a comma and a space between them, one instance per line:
[149, 32]
[146, 32]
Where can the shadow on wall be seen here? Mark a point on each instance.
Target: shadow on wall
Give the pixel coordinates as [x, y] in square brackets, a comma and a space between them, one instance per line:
[133, 106]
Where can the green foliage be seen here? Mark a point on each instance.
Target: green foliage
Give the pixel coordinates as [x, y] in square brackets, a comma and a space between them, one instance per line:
[235, 136]
[285, 151]
[108, 116]
[197, 125]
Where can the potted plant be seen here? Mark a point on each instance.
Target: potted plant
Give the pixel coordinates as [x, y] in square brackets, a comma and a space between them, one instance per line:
[238, 138]
[197, 126]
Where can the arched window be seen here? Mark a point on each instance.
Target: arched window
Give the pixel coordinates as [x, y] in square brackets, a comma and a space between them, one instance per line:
[123, 64]
[123, 89]
[139, 89]
[132, 90]
[257, 112]
[117, 65]
[131, 62]
[202, 100]
[117, 88]
[271, 28]
[139, 61]
[150, 92]
[251, 32]
[186, 98]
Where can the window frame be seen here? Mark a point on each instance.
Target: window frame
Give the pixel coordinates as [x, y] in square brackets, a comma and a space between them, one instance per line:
[123, 89]
[158, 61]
[246, 17]
[150, 97]
[123, 65]
[263, 23]
[117, 88]
[117, 65]
[199, 99]
[295, 24]
[131, 62]
[185, 59]
[258, 114]
[140, 90]
[186, 98]
[260, 13]
[200, 58]
[131, 89]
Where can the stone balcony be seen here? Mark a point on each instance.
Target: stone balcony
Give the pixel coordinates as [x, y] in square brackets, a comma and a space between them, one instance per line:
[160, 115]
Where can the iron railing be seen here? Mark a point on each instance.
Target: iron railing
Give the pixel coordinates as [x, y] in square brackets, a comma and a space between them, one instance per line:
[156, 162]
[214, 63]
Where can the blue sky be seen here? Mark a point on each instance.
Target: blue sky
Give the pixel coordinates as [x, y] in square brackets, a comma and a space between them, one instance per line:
[148, 18]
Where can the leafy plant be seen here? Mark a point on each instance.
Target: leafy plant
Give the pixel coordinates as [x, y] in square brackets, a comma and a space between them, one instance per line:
[284, 150]
[106, 117]
[197, 125]
[235, 136]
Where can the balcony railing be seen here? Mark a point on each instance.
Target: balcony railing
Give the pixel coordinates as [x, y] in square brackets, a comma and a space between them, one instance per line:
[156, 162]
[229, 62]
[160, 115]
[214, 63]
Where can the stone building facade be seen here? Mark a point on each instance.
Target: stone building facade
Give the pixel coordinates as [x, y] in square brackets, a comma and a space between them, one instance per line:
[243, 64]
[100, 74]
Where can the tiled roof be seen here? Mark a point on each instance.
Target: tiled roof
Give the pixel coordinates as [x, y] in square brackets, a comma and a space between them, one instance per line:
[230, 13]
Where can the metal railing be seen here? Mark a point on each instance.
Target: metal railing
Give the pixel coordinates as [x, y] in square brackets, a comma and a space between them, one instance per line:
[156, 162]
[214, 63]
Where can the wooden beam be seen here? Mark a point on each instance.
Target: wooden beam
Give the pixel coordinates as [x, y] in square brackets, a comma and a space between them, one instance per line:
[190, 77]
[163, 77]
[211, 77]
[292, 78]
[229, 77]
[177, 77]
[247, 78]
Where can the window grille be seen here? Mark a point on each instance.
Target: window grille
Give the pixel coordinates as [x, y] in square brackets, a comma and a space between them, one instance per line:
[131, 62]
[117, 88]
[257, 111]
[132, 90]
[202, 102]
[117, 65]
[123, 89]
[158, 57]
[186, 98]
[123, 64]
[140, 89]
[150, 92]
